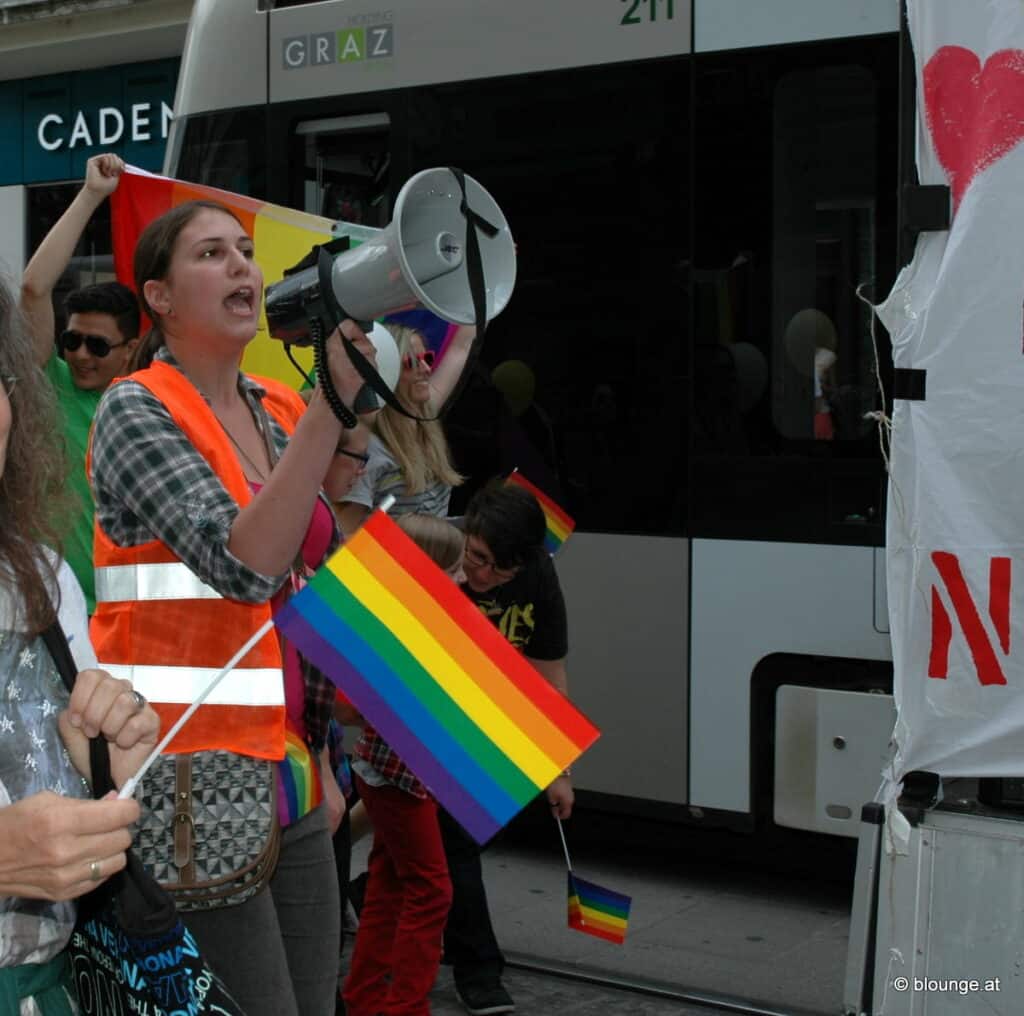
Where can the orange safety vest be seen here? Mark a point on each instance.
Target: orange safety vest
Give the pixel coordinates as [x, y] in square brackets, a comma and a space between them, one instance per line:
[168, 632]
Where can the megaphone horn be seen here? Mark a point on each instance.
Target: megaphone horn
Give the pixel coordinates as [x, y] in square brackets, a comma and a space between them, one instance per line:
[419, 259]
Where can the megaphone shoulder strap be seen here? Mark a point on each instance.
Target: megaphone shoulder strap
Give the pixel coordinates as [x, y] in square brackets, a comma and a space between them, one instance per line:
[369, 373]
[477, 285]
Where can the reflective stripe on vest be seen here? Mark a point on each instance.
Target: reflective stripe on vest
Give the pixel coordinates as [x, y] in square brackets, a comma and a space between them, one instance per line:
[243, 686]
[168, 581]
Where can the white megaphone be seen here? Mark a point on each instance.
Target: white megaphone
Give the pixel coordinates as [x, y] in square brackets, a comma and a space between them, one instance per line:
[419, 259]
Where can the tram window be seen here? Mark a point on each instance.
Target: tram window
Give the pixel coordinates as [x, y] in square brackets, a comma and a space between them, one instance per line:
[823, 373]
[583, 377]
[794, 207]
[347, 168]
[226, 150]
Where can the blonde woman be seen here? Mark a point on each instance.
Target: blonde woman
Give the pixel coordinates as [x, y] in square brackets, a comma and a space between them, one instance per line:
[409, 458]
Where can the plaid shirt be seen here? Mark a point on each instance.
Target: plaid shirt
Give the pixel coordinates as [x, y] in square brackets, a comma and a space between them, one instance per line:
[150, 482]
[372, 750]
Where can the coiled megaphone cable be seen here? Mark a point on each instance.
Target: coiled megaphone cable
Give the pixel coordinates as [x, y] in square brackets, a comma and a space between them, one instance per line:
[323, 376]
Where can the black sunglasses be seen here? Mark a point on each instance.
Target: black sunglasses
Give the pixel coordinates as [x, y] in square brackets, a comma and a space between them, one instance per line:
[358, 456]
[96, 344]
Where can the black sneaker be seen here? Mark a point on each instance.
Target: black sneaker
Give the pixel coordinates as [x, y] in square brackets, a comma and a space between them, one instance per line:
[487, 999]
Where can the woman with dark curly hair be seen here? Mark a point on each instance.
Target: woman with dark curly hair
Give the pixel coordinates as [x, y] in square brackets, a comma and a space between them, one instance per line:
[55, 842]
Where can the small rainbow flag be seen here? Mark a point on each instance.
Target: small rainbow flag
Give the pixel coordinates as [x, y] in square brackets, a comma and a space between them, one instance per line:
[300, 788]
[283, 237]
[560, 524]
[597, 911]
[469, 716]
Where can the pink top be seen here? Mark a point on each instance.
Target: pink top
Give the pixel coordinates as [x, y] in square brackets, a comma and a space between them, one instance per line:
[299, 788]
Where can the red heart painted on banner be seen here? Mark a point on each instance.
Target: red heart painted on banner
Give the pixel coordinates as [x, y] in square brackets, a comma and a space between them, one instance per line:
[975, 114]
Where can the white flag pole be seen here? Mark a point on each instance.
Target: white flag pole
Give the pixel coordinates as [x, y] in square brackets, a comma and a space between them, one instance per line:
[565, 846]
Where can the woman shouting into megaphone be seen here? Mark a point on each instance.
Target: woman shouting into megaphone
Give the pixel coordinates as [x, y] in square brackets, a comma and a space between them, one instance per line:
[208, 514]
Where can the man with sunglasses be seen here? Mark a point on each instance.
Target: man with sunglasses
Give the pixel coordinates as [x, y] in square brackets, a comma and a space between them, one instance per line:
[510, 577]
[96, 346]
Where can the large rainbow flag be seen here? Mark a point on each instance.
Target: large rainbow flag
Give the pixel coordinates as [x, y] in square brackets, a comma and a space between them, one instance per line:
[597, 911]
[560, 523]
[283, 237]
[471, 718]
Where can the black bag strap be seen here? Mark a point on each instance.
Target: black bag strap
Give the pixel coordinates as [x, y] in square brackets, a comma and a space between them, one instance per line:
[143, 906]
[99, 754]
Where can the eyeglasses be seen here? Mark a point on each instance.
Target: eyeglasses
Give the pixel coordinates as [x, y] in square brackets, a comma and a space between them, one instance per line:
[96, 344]
[476, 560]
[358, 456]
[411, 359]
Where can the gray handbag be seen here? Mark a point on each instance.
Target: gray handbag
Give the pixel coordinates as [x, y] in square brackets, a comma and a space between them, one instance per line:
[209, 832]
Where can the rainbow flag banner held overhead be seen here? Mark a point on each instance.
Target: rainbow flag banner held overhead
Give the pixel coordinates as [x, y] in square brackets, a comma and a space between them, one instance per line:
[466, 712]
[283, 237]
[597, 911]
[560, 524]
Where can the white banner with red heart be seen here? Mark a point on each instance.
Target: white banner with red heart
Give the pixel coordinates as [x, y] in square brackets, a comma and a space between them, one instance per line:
[955, 540]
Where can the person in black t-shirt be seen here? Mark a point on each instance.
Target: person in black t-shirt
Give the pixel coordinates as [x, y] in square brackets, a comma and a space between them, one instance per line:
[520, 595]
[510, 577]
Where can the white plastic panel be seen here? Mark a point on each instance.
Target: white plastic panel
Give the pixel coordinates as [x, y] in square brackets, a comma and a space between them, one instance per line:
[830, 749]
[739, 24]
[750, 600]
[350, 46]
[224, 60]
[627, 603]
[951, 911]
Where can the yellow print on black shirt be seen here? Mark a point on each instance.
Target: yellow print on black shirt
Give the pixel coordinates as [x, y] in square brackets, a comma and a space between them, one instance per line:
[515, 621]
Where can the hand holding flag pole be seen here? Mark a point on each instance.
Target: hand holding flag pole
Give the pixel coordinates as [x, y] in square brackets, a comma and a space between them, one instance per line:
[130, 784]
[593, 909]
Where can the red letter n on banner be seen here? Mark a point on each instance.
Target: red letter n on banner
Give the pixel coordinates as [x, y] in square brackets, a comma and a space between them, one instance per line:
[986, 661]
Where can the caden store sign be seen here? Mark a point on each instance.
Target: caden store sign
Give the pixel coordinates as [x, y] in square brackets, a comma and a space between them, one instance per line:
[143, 121]
[51, 125]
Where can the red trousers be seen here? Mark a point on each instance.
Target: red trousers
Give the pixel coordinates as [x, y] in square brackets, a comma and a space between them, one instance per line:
[408, 894]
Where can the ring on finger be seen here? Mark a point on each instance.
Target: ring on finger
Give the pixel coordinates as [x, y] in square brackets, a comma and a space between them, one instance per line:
[95, 874]
[139, 699]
